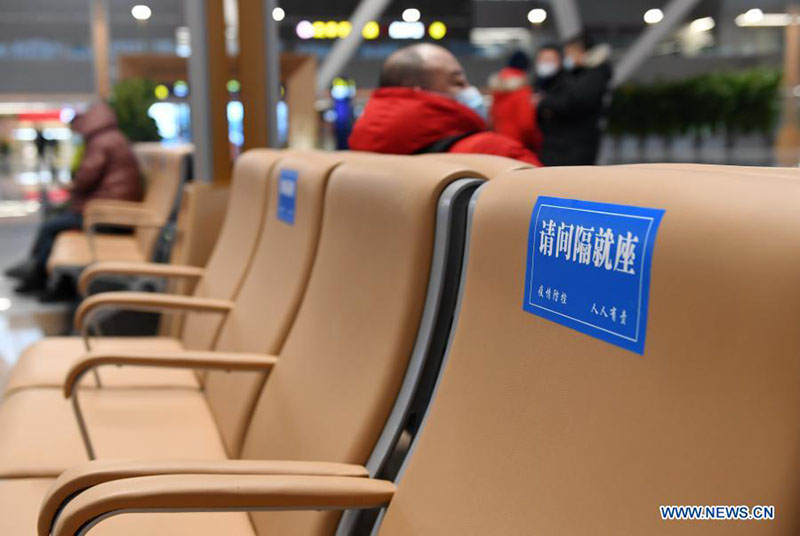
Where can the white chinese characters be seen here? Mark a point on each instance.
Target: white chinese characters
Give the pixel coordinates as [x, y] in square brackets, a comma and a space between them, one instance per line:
[552, 294]
[612, 312]
[599, 248]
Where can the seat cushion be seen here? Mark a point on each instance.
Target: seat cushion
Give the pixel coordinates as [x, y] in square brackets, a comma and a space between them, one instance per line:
[40, 436]
[170, 524]
[20, 499]
[71, 249]
[46, 362]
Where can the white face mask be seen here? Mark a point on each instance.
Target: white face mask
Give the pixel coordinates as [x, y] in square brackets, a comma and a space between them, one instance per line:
[472, 99]
[546, 69]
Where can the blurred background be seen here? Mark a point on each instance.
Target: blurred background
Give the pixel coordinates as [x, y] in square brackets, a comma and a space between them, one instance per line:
[711, 88]
[697, 81]
[708, 81]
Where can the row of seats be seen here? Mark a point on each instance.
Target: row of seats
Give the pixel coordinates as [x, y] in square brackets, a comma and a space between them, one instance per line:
[359, 341]
[163, 169]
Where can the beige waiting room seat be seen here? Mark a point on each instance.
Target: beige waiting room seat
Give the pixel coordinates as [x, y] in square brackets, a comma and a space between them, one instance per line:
[45, 363]
[180, 422]
[163, 169]
[349, 364]
[488, 165]
[536, 428]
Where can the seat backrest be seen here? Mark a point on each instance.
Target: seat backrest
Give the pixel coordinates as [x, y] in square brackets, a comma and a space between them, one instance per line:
[270, 294]
[537, 428]
[749, 171]
[197, 226]
[163, 169]
[486, 164]
[342, 365]
[235, 245]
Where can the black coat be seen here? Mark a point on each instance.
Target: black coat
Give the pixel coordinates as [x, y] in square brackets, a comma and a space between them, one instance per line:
[569, 116]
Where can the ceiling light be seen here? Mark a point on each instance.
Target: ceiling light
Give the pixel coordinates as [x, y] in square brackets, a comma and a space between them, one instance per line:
[141, 12]
[304, 29]
[754, 15]
[411, 14]
[371, 30]
[653, 16]
[702, 25]
[406, 30]
[537, 16]
[437, 30]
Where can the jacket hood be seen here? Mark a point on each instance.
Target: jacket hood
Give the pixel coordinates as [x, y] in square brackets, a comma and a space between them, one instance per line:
[508, 79]
[98, 117]
[402, 120]
[597, 55]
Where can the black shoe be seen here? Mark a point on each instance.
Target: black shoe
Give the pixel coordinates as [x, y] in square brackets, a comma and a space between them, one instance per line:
[22, 270]
[31, 285]
[48, 296]
[56, 296]
[63, 291]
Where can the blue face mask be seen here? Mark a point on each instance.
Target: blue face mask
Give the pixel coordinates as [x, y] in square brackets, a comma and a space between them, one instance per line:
[472, 99]
[569, 63]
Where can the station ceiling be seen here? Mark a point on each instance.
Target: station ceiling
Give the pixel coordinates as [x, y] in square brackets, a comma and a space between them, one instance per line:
[67, 20]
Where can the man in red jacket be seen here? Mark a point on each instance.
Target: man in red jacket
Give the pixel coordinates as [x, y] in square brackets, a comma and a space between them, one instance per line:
[425, 105]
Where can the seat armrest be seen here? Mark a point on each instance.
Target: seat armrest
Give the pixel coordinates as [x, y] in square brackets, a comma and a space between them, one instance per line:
[81, 477]
[120, 215]
[215, 493]
[146, 301]
[191, 359]
[154, 269]
[111, 204]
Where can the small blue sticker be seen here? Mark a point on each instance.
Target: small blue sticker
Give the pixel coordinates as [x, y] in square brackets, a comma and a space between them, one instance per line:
[287, 195]
[588, 267]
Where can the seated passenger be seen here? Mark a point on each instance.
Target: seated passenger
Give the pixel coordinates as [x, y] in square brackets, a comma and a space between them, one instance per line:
[108, 170]
[425, 105]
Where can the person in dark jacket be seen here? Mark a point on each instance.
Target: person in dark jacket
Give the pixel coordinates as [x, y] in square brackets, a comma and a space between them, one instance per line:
[425, 104]
[572, 103]
[513, 105]
[108, 170]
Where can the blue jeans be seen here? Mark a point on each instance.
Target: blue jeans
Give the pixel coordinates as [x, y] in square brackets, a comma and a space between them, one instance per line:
[47, 235]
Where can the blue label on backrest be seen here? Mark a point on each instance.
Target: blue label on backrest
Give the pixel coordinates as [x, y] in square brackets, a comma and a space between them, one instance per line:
[588, 267]
[287, 195]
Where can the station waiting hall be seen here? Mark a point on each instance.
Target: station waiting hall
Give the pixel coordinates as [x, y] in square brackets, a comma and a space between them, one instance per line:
[399, 268]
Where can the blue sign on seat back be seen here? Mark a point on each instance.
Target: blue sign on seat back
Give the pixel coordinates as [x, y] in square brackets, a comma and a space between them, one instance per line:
[287, 195]
[588, 267]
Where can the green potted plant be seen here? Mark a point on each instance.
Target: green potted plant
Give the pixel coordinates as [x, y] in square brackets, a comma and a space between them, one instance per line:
[131, 99]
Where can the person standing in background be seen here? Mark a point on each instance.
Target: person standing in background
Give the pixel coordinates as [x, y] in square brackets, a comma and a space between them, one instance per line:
[513, 106]
[41, 148]
[572, 103]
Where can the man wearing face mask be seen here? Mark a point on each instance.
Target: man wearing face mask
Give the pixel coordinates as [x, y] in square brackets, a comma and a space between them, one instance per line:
[571, 102]
[513, 105]
[425, 105]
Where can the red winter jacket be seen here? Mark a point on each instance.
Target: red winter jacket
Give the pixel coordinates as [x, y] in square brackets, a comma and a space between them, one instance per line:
[399, 120]
[513, 109]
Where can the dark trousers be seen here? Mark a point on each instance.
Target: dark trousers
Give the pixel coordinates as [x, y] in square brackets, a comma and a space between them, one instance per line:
[48, 232]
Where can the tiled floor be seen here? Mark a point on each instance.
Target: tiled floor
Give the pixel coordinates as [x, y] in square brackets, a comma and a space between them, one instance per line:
[23, 319]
